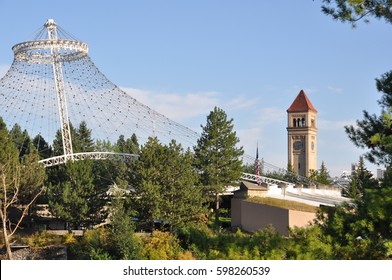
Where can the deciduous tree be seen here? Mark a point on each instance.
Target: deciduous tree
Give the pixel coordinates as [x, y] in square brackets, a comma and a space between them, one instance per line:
[21, 184]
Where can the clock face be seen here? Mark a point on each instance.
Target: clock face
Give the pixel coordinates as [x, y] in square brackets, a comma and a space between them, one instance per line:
[297, 145]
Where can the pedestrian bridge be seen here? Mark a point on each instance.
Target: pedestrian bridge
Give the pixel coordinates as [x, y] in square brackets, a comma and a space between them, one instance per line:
[311, 194]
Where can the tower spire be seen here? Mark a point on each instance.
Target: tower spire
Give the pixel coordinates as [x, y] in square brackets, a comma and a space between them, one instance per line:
[257, 165]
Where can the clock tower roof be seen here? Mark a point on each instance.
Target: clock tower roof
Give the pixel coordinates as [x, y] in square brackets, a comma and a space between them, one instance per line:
[301, 104]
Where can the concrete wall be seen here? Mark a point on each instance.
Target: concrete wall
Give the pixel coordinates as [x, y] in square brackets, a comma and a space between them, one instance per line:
[236, 212]
[251, 216]
[255, 216]
[300, 219]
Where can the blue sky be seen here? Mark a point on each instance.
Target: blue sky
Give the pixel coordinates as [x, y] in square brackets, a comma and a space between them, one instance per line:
[250, 58]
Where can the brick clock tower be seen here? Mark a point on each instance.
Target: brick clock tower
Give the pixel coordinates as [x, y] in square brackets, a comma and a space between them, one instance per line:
[302, 135]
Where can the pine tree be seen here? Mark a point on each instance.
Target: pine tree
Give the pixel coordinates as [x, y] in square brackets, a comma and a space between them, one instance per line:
[129, 145]
[217, 156]
[43, 148]
[374, 132]
[362, 228]
[124, 243]
[75, 198]
[353, 11]
[82, 140]
[320, 176]
[58, 148]
[147, 196]
[166, 185]
[361, 179]
[182, 200]
[21, 139]
[323, 176]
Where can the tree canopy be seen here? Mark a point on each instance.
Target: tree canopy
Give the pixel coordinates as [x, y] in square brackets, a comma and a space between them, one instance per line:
[166, 185]
[353, 11]
[374, 132]
[21, 181]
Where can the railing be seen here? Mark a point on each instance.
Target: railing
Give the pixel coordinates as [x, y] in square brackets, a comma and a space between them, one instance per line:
[53, 161]
[255, 178]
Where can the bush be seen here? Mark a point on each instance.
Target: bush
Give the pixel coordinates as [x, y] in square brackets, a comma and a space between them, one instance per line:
[68, 239]
[93, 244]
[164, 246]
[196, 238]
[42, 239]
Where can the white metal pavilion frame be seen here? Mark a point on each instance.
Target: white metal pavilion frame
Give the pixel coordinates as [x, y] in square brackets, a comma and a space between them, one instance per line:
[56, 51]
[91, 155]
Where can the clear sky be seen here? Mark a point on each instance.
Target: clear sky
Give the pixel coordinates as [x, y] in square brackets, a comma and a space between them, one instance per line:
[250, 58]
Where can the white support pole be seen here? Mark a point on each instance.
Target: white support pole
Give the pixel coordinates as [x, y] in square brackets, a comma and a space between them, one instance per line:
[60, 92]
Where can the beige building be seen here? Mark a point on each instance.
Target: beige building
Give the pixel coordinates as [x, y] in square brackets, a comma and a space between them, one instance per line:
[302, 135]
[252, 216]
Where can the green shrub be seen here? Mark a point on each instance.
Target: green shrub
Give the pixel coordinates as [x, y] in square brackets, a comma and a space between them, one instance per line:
[163, 246]
[92, 245]
[42, 239]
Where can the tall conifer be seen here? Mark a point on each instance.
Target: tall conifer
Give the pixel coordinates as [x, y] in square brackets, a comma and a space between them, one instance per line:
[217, 155]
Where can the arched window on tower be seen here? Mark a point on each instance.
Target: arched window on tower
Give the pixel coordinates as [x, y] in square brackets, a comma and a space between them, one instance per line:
[294, 122]
[299, 122]
[303, 122]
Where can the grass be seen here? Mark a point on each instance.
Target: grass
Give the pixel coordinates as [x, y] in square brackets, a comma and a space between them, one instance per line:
[286, 204]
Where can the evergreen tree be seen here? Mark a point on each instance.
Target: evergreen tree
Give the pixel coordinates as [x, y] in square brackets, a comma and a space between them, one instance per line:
[82, 140]
[182, 200]
[120, 144]
[75, 198]
[360, 179]
[166, 186]
[124, 243]
[217, 156]
[323, 176]
[129, 146]
[124, 170]
[133, 144]
[362, 229]
[147, 196]
[58, 148]
[21, 140]
[104, 146]
[43, 148]
[352, 11]
[374, 132]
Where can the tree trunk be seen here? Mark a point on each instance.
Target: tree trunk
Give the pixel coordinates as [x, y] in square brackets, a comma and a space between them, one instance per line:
[6, 240]
[217, 206]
